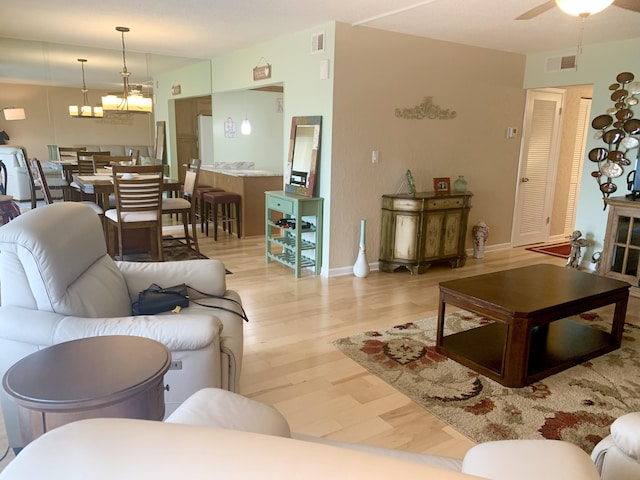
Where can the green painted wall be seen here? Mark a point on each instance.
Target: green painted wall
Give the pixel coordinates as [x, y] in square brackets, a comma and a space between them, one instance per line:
[598, 65]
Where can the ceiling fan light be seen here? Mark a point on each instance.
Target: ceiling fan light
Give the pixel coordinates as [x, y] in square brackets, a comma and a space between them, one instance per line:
[583, 7]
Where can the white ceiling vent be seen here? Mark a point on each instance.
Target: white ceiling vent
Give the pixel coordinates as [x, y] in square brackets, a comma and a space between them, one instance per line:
[560, 64]
[317, 43]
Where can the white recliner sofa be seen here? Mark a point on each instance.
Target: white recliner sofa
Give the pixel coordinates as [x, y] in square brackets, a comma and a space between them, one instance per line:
[57, 283]
[18, 181]
[217, 434]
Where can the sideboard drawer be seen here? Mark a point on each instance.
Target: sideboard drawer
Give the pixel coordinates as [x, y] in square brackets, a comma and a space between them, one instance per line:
[440, 203]
[281, 204]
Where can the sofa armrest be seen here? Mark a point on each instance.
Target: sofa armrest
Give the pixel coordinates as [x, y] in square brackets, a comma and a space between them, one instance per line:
[178, 331]
[33, 327]
[205, 275]
[529, 459]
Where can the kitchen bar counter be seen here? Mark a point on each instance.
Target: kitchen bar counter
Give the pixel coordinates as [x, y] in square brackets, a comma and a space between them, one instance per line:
[251, 185]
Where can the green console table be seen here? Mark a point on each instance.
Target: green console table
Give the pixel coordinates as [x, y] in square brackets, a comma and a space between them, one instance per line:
[294, 230]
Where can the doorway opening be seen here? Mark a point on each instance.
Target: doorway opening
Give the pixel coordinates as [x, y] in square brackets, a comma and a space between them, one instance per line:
[551, 160]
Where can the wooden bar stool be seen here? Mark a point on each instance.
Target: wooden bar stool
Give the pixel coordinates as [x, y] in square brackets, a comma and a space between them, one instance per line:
[227, 201]
[200, 191]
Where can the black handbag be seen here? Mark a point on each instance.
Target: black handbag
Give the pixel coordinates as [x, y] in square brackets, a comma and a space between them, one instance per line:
[156, 299]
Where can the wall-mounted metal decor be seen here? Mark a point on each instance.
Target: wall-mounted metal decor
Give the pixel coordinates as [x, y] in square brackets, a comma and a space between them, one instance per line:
[619, 131]
[427, 109]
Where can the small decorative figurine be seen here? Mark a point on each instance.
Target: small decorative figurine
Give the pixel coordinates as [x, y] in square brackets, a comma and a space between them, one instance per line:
[576, 246]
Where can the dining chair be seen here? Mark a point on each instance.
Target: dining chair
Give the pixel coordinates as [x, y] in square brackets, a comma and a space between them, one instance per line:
[86, 165]
[37, 181]
[185, 206]
[40, 179]
[138, 199]
[69, 153]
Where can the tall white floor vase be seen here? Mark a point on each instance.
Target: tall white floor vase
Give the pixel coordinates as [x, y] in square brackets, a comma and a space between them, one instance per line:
[361, 267]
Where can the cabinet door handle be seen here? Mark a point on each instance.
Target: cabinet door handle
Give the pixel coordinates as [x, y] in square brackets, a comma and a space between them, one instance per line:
[524, 179]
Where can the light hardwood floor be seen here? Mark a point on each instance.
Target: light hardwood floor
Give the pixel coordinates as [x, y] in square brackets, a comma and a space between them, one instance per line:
[289, 361]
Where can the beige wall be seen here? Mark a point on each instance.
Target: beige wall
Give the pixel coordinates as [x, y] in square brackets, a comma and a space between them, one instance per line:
[48, 120]
[377, 72]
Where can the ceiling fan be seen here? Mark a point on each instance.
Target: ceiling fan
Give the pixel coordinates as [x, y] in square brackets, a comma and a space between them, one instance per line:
[632, 5]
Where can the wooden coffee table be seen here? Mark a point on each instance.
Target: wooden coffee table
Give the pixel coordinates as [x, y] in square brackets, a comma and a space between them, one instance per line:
[530, 336]
[108, 376]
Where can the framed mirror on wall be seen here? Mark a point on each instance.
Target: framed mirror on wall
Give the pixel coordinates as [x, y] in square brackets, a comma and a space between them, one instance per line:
[304, 150]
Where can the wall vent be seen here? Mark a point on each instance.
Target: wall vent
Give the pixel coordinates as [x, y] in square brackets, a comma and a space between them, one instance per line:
[317, 42]
[560, 64]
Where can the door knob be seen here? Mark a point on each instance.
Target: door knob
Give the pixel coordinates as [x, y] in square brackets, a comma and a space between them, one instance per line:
[524, 179]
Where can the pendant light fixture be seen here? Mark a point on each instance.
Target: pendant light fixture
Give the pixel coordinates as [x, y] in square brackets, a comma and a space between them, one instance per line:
[85, 110]
[245, 127]
[132, 100]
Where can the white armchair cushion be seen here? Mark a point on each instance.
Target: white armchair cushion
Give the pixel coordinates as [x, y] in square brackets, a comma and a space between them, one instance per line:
[217, 408]
[195, 273]
[529, 459]
[626, 434]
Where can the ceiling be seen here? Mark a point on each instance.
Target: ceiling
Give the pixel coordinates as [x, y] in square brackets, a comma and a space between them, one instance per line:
[168, 34]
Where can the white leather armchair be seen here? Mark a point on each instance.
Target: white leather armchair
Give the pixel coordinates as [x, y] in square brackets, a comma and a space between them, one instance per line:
[57, 283]
[618, 455]
[18, 182]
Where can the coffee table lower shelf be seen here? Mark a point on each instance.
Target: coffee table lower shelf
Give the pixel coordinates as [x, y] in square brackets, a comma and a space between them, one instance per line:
[553, 348]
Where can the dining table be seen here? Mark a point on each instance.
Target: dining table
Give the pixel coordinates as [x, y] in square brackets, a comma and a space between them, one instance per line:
[101, 185]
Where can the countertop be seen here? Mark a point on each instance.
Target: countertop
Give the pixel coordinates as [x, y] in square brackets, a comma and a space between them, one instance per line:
[242, 173]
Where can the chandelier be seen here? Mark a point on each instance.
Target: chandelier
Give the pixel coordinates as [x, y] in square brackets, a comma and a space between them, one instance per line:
[131, 100]
[85, 110]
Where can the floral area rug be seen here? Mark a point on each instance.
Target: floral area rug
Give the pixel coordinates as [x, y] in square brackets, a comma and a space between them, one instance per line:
[577, 405]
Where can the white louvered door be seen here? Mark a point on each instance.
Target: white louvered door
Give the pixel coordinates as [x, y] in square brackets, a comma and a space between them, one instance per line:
[577, 161]
[538, 164]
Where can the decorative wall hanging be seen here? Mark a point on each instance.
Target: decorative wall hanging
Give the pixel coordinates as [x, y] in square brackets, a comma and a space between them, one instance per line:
[262, 72]
[427, 109]
[230, 130]
[618, 130]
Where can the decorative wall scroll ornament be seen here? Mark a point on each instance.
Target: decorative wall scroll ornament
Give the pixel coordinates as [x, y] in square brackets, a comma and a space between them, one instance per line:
[619, 131]
[427, 109]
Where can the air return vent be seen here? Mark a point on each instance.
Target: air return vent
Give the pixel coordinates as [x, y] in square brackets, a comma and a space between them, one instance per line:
[317, 43]
[560, 64]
